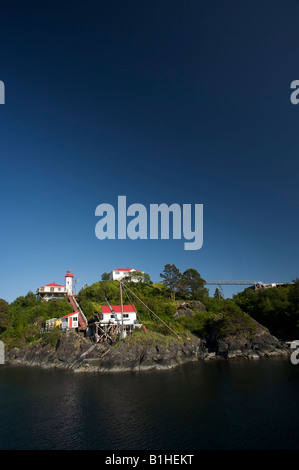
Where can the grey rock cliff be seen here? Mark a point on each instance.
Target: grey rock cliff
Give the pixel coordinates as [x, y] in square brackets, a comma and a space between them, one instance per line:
[228, 338]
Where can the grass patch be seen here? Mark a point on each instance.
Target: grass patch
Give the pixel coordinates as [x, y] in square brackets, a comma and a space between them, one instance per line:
[141, 338]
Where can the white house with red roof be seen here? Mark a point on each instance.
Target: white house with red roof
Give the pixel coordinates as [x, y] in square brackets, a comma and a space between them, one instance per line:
[129, 315]
[51, 291]
[56, 291]
[121, 273]
[70, 321]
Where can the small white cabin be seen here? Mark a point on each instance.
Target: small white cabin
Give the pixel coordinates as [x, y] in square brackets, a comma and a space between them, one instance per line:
[70, 321]
[129, 315]
[118, 274]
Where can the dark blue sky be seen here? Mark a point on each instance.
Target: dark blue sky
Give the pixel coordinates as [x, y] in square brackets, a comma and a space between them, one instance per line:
[161, 101]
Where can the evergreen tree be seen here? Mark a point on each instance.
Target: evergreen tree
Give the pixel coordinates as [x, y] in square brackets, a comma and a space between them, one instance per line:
[105, 277]
[218, 294]
[193, 284]
[172, 278]
[4, 310]
[294, 297]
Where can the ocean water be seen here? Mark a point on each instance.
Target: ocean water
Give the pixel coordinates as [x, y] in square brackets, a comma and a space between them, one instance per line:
[205, 405]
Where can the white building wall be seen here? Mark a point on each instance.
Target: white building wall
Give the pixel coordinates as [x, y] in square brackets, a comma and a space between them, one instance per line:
[49, 289]
[128, 320]
[69, 284]
[117, 275]
[65, 322]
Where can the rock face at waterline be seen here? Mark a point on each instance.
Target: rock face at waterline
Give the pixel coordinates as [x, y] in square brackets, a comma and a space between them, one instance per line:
[139, 351]
[228, 337]
[239, 335]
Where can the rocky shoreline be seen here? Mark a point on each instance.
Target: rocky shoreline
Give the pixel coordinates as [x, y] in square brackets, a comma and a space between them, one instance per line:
[144, 351]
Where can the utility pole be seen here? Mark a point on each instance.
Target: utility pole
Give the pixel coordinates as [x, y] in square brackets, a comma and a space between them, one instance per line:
[121, 305]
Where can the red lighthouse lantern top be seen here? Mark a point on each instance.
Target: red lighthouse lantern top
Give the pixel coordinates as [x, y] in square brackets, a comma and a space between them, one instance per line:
[69, 274]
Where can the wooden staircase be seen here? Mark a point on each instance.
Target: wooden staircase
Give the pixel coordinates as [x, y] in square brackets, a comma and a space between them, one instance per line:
[76, 308]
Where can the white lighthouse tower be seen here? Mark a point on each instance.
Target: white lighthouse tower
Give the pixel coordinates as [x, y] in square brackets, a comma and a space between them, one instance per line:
[69, 282]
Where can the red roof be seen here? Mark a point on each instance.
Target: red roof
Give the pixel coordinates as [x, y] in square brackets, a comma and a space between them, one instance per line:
[117, 308]
[53, 285]
[70, 314]
[127, 269]
[69, 274]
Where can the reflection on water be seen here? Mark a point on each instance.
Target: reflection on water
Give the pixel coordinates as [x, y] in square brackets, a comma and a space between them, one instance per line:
[207, 405]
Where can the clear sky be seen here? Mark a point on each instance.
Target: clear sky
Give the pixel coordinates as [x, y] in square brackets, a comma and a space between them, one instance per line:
[163, 101]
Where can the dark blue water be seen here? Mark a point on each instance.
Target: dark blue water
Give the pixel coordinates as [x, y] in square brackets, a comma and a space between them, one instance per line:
[207, 405]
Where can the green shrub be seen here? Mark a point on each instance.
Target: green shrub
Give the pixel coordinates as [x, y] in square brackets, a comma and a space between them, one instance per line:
[52, 337]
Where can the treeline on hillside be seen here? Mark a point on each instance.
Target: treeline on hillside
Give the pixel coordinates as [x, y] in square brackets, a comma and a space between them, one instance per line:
[22, 320]
[162, 296]
[165, 299]
[188, 284]
[159, 299]
[155, 296]
[275, 308]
